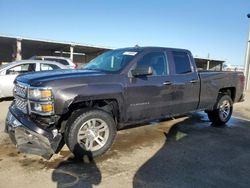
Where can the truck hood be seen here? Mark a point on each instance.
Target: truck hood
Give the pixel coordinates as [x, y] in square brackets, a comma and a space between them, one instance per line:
[38, 78]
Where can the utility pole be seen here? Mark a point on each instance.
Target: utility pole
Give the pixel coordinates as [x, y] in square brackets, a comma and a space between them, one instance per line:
[247, 60]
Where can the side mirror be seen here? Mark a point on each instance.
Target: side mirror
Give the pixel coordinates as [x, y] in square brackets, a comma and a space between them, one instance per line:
[142, 72]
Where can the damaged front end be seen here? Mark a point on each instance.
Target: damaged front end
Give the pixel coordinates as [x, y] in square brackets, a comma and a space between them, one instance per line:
[30, 137]
[24, 121]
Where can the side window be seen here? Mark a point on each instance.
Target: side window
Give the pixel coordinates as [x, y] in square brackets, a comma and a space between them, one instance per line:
[62, 61]
[155, 60]
[44, 67]
[181, 62]
[24, 68]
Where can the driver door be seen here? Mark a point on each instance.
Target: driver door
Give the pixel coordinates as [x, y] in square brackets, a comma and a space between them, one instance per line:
[149, 96]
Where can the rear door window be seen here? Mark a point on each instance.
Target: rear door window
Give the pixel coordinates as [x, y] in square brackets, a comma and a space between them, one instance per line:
[45, 66]
[181, 62]
[62, 61]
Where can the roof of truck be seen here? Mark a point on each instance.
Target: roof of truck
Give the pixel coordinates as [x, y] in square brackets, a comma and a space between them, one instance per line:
[139, 48]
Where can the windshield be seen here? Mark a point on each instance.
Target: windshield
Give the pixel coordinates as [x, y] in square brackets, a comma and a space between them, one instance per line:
[111, 61]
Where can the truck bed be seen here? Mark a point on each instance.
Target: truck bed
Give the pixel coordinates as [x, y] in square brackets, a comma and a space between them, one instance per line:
[212, 81]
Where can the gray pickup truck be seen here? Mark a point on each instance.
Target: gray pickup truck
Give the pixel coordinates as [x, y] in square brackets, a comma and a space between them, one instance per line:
[85, 108]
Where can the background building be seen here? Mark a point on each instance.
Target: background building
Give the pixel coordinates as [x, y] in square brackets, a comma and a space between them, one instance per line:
[17, 48]
[209, 64]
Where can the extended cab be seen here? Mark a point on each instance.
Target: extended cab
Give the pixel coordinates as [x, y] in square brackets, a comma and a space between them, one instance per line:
[84, 108]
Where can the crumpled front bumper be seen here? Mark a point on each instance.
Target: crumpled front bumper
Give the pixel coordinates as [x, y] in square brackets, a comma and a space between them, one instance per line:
[30, 137]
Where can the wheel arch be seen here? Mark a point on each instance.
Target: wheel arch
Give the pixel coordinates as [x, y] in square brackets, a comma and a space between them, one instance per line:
[110, 106]
[230, 91]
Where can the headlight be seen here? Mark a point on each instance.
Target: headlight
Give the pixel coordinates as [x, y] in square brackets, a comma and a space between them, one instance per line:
[41, 101]
[40, 94]
[42, 108]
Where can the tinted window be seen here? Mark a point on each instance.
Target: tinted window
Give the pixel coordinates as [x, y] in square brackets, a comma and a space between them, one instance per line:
[155, 60]
[44, 67]
[182, 63]
[62, 61]
[22, 69]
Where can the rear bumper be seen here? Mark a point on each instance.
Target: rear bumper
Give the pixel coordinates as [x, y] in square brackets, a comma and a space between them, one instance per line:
[29, 137]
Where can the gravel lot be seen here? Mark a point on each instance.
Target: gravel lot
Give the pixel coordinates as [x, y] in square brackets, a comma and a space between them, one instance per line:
[185, 152]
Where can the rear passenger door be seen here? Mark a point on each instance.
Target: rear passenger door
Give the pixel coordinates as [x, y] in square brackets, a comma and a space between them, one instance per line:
[186, 83]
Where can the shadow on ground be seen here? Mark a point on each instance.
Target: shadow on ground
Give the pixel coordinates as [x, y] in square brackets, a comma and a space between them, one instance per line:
[77, 174]
[7, 99]
[197, 154]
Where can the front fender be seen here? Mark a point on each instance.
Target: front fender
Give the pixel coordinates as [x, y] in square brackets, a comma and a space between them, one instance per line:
[77, 94]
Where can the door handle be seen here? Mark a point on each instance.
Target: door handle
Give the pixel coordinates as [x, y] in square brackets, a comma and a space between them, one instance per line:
[167, 83]
[194, 81]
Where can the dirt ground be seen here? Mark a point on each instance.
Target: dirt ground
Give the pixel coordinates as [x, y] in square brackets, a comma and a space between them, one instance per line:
[243, 109]
[184, 152]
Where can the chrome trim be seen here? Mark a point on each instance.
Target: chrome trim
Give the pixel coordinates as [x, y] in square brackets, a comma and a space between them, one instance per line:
[21, 104]
[29, 138]
[25, 97]
[17, 90]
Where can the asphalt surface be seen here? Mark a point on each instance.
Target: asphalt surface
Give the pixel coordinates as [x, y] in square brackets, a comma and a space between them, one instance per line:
[184, 152]
[206, 156]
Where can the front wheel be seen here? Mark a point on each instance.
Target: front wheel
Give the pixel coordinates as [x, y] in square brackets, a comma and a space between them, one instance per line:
[223, 111]
[90, 133]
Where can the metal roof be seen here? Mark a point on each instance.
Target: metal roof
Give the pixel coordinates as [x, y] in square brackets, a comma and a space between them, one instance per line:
[53, 44]
[208, 59]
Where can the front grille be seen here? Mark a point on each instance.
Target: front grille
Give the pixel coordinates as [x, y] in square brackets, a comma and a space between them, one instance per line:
[21, 104]
[20, 94]
[20, 90]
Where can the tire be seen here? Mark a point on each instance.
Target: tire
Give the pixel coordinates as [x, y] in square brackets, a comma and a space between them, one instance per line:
[222, 112]
[90, 133]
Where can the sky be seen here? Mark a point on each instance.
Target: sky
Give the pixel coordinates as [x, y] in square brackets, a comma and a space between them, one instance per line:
[214, 28]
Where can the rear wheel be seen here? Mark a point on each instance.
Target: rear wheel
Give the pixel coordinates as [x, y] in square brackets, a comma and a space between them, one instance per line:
[223, 111]
[90, 133]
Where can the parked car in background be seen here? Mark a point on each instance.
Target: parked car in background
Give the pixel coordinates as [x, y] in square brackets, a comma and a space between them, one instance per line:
[8, 72]
[62, 60]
